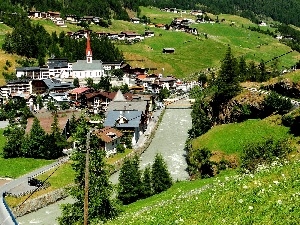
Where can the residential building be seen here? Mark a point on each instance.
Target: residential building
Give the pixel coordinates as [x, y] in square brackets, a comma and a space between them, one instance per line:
[131, 123]
[111, 138]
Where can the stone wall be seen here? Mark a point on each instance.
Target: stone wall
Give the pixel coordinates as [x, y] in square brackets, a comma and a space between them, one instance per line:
[39, 202]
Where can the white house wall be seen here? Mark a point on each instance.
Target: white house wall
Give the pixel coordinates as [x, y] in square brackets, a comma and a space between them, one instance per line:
[88, 74]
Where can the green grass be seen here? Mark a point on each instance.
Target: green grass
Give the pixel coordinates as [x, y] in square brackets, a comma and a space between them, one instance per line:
[16, 167]
[231, 138]
[60, 177]
[191, 54]
[270, 196]
[118, 156]
[3, 30]
[293, 76]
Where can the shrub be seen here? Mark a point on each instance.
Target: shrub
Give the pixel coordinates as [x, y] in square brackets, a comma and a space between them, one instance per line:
[199, 163]
[274, 103]
[120, 148]
[264, 152]
[293, 122]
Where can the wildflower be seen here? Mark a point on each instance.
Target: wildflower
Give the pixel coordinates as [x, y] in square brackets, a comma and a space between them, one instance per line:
[250, 207]
[245, 187]
[241, 201]
[276, 182]
[279, 202]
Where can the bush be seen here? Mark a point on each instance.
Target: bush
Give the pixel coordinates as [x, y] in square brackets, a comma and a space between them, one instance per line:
[274, 103]
[264, 152]
[293, 122]
[120, 148]
[199, 164]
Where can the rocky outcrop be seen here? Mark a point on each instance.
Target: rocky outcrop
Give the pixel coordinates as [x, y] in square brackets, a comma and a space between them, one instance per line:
[246, 105]
[285, 87]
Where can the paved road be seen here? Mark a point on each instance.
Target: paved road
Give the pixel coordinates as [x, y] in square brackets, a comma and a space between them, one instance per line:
[5, 217]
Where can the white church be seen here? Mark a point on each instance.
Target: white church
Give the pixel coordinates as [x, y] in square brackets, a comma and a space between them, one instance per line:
[88, 68]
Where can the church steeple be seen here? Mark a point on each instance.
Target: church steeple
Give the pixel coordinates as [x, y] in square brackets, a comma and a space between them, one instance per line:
[88, 51]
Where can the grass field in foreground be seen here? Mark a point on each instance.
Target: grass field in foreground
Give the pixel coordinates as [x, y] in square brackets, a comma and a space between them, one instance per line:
[231, 138]
[270, 196]
[16, 167]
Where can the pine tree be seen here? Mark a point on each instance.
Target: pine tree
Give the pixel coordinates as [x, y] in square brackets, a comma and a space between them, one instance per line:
[130, 184]
[160, 176]
[34, 147]
[14, 138]
[72, 124]
[227, 82]
[101, 205]
[147, 184]
[242, 69]
[59, 140]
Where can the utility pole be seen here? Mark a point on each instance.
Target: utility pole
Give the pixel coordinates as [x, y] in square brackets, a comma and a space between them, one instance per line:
[86, 179]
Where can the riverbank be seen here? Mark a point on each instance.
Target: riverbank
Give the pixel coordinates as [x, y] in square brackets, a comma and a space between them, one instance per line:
[58, 194]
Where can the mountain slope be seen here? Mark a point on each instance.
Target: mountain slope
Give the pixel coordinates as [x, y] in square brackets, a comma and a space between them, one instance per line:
[270, 196]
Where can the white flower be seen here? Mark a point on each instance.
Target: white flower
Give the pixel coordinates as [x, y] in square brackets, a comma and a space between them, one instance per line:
[250, 207]
[241, 201]
[279, 202]
[276, 182]
[245, 187]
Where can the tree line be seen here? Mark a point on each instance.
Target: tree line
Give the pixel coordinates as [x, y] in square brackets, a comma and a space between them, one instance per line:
[36, 143]
[33, 41]
[282, 11]
[106, 9]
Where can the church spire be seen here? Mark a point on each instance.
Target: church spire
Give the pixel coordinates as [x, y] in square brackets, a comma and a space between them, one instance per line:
[88, 51]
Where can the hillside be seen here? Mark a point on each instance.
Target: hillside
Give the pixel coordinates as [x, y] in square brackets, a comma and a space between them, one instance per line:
[231, 138]
[270, 196]
[192, 53]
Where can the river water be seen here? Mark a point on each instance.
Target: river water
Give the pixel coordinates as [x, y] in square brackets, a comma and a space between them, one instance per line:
[169, 141]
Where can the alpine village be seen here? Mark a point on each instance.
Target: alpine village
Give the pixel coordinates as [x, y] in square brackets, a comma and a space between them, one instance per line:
[149, 112]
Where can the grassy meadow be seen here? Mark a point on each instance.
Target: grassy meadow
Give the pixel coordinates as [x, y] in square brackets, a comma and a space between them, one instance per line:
[231, 138]
[270, 196]
[192, 54]
[16, 167]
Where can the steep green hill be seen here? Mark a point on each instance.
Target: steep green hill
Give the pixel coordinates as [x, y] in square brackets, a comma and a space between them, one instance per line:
[192, 53]
[270, 196]
[231, 138]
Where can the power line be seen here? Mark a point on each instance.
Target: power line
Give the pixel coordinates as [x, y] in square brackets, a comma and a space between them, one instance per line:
[40, 186]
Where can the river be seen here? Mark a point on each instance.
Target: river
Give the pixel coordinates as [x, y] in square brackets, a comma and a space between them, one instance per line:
[169, 140]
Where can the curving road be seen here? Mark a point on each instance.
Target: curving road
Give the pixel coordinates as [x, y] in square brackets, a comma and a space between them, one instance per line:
[6, 216]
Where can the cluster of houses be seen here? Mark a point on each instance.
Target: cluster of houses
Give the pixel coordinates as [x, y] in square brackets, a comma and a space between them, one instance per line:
[128, 36]
[125, 114]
